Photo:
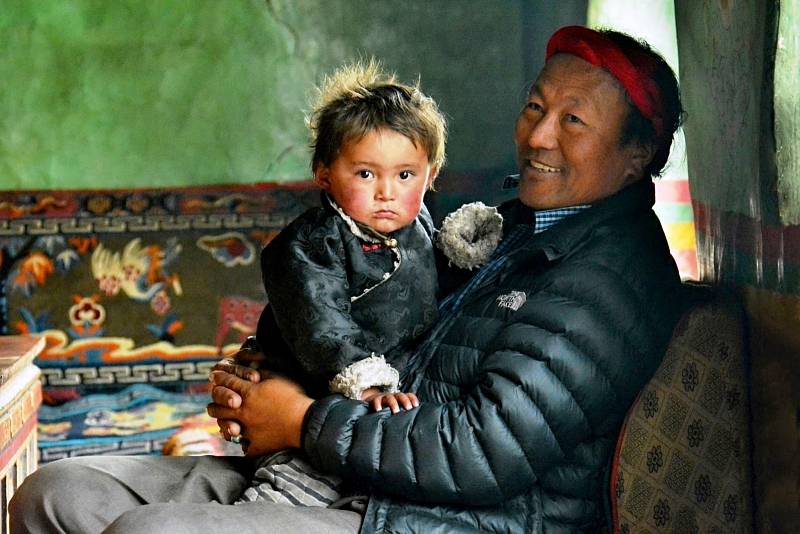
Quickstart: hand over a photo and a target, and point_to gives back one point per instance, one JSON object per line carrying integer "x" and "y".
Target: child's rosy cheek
{"x": 411, "y": 204}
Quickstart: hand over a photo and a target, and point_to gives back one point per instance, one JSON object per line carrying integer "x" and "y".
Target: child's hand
{"x": 377, "y": 400}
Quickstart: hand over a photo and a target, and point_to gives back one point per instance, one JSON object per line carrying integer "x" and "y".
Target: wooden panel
{"x": 17, "y": 461}
{"x": 20, "y": 398}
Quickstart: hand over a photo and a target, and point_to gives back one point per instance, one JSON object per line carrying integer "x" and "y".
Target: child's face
{"x": 379, "y": 180}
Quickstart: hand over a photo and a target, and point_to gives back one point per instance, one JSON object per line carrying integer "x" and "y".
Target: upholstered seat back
{"x": 683, "y": 460}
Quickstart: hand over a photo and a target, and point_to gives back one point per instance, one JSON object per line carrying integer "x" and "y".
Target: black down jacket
{"x": 520, "y": 409}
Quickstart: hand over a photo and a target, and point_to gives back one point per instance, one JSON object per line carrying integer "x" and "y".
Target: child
{"x": 352, "y": 284}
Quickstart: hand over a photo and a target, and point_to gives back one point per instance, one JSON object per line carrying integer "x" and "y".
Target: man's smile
{"x": 542, "y": 167}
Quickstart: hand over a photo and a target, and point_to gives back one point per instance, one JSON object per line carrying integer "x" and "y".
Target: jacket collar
{"x": 361, "y": 231}
{"x": 561, "y": 238}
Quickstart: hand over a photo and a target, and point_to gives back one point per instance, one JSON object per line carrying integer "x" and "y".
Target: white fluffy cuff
{"x": 364, "y": 374}
{"x": 470, "y": 234}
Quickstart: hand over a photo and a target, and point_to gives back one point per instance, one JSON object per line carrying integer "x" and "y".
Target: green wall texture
{"x": 132, "y": 93}
{"x": 787, "y": 111}
{"x": 146, "y": 93}
{"x": 721, "y": 72}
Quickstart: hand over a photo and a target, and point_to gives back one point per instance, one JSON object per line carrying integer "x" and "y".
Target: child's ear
{"x": 434, "y": 172}
{"x": 322, "y": 177}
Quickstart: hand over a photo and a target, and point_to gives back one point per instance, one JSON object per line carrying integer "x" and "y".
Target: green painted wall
{"x": 138, "y": 93}
{"x": 787, "y": 111}
{"x": 721, "y": 81}
{"x": 132, "y": 93}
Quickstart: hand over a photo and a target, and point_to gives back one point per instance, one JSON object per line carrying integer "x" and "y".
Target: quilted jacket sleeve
{"x": 304, "y": 275}
{"x": 561, "y": 374}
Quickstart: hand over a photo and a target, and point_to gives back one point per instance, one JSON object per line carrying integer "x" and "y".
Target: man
{"x": 524, "y": 382}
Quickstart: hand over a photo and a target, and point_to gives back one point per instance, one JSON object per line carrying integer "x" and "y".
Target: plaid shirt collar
{"x": 547, "y": 218}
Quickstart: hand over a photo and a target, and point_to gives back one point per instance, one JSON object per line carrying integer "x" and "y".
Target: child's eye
{"x": 365, "y": 174}
{"x": 405, "y": 175}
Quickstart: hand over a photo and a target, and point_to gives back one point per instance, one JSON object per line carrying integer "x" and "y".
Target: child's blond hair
{"x": 359, "y": 98}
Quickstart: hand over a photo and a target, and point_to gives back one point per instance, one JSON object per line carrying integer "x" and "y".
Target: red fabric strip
{"x": 633, "y": 69}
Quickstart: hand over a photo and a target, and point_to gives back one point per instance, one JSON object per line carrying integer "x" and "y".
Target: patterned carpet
{"x": 137, "y": 293}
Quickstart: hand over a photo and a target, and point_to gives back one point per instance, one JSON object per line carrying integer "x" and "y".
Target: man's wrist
{"x": 303, "y": 412}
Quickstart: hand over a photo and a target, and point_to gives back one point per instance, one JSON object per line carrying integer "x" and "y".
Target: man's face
{"x": 379, "y": 180}
{"x": 567, "y": 137}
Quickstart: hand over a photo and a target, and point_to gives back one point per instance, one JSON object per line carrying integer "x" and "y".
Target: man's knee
{"x": 40, "y": 495}
{"x": 150, "y": 518}
{"x": 71, "y": 495}
{"x": 191, "y": 518}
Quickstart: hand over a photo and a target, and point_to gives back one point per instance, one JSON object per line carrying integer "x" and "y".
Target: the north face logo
{"x": 513, "y": 300}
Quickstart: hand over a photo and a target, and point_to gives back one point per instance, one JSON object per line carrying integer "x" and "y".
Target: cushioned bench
{"x": 683, "y": 460}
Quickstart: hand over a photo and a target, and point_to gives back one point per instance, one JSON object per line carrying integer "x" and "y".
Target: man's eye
{"x": 405, "y": 175}
{"x": 572, "y": 118}
{"x": 365, "y": 174}
{"x": 534, "y": 106}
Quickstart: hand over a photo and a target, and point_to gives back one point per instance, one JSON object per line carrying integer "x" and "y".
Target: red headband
{"x": 631, "y": 67}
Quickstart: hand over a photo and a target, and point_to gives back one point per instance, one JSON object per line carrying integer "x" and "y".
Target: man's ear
{"x": 322, "y": 177}
{"x": 641, "y": 156}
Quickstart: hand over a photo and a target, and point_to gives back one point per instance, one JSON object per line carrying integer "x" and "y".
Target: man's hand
{"x": 250, "y": 354}
{"x": 243, "y": 364}
{"x": 378, "y": 399}
{"x": 232, "y": 366}
{"x": 267, "y": 414}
